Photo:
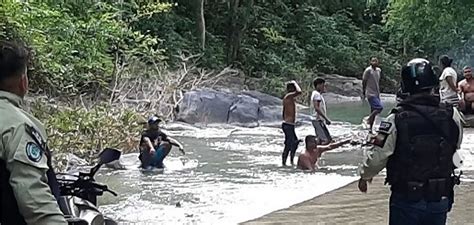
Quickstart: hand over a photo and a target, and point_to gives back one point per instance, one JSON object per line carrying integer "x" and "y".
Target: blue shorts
{"x": 375, "y": 103}
{"x": 158, "y": 157}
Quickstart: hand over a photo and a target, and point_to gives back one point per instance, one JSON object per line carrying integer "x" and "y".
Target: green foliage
{"x": 431, "y": 28}
{"x": 296, "y": 41}
{"x": 74, "y": 44}
{"x": 78, "y": 44}
{"x": 85, "y": 132}
{"x": 279, "y": 41}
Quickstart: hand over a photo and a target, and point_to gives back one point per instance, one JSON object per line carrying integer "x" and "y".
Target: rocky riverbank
{"x": 84, "y": 127}
{"x": 244, "y": 108}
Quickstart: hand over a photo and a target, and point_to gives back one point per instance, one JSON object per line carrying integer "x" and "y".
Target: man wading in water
{"x": 466, "y": 87}
{"x": 318, "y": 109}
{"x": 289, "y": 117}
{"x": 314, "y": 150}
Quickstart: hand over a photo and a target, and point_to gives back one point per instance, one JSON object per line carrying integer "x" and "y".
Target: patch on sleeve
{"x": 34, "y": 152}
{"x": 379, "y": 139}
{"x": 385, "y": 127}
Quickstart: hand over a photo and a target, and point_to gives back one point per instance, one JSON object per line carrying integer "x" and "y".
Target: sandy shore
{"x": 347, "y": 205}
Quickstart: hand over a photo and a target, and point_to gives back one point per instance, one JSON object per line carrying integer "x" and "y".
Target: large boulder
{"x": 247, "y": 108}
{"x": 244, "y": 111}
{"x": 346, "y": 86}
{"x": 205, "y": 106}
{"x": 263, "y": 99}
{"x": 271, "y": 113}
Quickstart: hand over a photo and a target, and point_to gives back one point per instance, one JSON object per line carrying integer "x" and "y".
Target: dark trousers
{"x": 406, "y": 212}
{"x": 468, "y": 107}
{"x": 291, "y": 142}
{"x": 321, "y": 131}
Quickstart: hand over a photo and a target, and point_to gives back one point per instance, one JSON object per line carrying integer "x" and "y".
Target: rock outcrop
{"x": 345, "y": 86}
{"x": 246, "y": 108}
{"x": 253, "y": 108}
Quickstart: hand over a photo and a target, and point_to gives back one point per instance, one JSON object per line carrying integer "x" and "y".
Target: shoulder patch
{"x": 34, "y": 152}
{"x": 385, "y": 126}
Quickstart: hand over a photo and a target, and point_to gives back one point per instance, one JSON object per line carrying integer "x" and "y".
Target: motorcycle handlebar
{"x": 69, "y": 186}
{"x": 104, "y": 188}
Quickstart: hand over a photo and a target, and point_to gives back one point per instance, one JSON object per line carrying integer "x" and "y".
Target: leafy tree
{"x": 74, "y": 44}
{"x": 431, "y": 28}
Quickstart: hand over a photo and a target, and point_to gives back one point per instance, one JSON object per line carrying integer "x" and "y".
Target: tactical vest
{"x": 426, "y": 141}
{"x": 9, "y": 212}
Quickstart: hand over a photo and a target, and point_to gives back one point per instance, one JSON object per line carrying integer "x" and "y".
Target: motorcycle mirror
{"x": 108, "y": 155}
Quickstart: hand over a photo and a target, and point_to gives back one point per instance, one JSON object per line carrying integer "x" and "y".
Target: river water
{"x": 230, "y": 174}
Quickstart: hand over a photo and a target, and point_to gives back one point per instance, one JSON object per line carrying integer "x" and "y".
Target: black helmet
{"x": 418, "y": 76}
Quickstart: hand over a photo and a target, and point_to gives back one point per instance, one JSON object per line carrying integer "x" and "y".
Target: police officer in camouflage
{"x": 27, "y": 182}
{"x": 416, "y": 143}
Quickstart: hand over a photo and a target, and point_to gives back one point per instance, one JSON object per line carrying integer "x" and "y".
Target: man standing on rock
{"x": 371, "y": 89}
{"x": 416, "y": 143}
{"x": 320, "y": 118}
{"x": 289, "y": 117}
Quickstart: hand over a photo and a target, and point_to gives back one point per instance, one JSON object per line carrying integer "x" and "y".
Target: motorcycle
{"x": 78, "y": 194}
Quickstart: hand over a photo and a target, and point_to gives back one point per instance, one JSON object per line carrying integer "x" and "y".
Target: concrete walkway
{"x": 348, "y": 206}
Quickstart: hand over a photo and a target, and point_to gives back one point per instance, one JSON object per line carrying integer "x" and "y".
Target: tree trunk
{"x": 231, "y": 33}
{"x": 201, "y": 23}
{"x": 405, "y": 47}
{"x": 237, "y": 27}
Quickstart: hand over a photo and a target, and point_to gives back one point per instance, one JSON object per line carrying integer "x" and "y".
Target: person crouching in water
{"x": 155, "y": 145}
{"x": 307, "y": 160}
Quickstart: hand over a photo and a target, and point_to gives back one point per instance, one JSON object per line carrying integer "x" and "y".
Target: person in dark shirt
{"x": 155, "y": 145}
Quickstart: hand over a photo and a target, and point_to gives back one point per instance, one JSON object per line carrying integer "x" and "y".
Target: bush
{"x": 84, "y": 132}
{"x": 76, "y": 47}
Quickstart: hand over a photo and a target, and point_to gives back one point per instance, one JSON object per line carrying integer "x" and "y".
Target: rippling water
{"x": 229, "y": 175}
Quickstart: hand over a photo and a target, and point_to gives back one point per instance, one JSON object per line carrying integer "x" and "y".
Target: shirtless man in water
{"x": 289, "y": 118}
{"x": 307, "y": 160}
{"x": 466, "y": 87}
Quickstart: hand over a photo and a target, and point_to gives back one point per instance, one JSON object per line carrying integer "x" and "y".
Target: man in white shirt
{"x": 318, "y": 111}
{"x": 448, "y": 92}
